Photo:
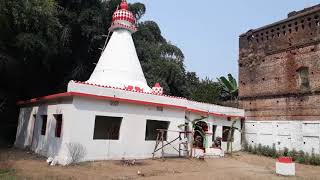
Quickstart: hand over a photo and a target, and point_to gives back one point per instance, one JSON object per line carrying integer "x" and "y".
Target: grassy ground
{"x": 18, "y": 164}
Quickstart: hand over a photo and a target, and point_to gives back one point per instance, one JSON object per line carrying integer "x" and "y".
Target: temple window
{"x": 58, "y": 118}
{"x": 214, "y": 128}
{"x": 107, "y": 127}
{"x": 151, "y": 129}
{"x": 44, "y": 124}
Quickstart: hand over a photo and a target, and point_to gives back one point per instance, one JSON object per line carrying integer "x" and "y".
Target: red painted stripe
{"x": 45, "y": 98}
{"x": 285, "y": 159}
{"x": 126, "y": 100}
{"x": 69, "y": 94}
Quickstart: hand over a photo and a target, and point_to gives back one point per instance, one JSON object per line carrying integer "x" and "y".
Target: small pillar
{"x": 285, "y": 166}
{"x": 157, "y": 89}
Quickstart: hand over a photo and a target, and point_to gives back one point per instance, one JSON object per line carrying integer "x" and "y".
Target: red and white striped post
{"x": 285, "y": 166}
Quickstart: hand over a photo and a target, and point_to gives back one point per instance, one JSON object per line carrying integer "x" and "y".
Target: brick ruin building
{"x": 279, "y": 82}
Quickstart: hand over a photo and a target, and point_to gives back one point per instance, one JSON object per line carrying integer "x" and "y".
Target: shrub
{"x": 245, "y": 146}
{"x": 314, "y": 159}
{"x": 274, "y": 152}
{"x": 294, "y": 154}
{"x": 299, "y": 157}
{"x": 255, "y": 149}
{"x": 76, "y": 152}
{"x": 259, "y": 149}
{"x": 250, "y": 148}
{"x": 285, "y": 152}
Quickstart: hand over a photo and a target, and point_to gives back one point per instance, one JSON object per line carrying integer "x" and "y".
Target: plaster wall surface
{"x": 30, "y": 123}
{"x": 297, "y": 134}
{"x": 152, "y": 98}
{"x": 78, "y": 128}
{"x": 119, "y": 65}
{"x": 131, "y": 143}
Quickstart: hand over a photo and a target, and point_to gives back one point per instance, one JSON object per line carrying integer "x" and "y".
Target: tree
{"x": 161, "y": 61}
{"x": 206, "y": 91}
{"x": 229, "y": 87}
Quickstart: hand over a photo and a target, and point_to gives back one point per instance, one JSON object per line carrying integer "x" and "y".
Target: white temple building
{"x": 115, "y": 114}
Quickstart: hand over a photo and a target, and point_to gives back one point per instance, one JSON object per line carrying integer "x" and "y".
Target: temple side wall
{"x": 78, "y": 127}
{"x": 131, "y": 143}
{"x": 29, "y": 128}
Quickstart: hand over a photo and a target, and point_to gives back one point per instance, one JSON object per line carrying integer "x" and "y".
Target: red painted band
{"x": 285, "y": 159}
{"x": 70, "y": 94}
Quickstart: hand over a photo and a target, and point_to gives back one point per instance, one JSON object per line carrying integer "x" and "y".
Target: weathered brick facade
{"x": 279, "y": 69}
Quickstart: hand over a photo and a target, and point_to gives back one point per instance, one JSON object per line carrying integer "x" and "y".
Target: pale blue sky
{"x": 207, "y": 31}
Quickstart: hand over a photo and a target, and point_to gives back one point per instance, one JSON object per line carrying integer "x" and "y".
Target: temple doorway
{"x": 199, "y": 137}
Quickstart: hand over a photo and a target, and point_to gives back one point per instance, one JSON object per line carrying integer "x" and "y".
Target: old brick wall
{"x": 270, "y": 62}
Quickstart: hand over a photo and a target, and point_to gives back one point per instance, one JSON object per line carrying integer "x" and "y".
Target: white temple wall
{"x": 131, "y": 143}
{"x": 29, "y": 128}
{"x": 183, "y": 103}
{"x": 298, "y": 135}
{"x": 78, "y": 127}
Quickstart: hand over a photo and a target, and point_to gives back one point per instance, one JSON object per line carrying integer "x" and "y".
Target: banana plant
{"x": 229, "y": 86}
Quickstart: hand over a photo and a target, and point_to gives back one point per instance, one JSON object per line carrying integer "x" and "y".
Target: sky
{"x": 207, "y": 31}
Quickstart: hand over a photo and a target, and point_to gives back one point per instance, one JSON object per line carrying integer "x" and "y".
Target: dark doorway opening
{"x": 199, "y": 133}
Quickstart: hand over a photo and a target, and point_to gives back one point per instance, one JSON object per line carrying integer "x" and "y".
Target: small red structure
{"x": 285, "y": 166}
{"x": 157, "y": 89}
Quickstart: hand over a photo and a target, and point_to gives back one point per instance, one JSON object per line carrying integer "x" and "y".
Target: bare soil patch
{"x": 23, "y": 165}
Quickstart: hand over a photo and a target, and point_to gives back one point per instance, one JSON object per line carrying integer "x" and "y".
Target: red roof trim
{"x": 45, "y": 98}
{"x": 70, "y": 94}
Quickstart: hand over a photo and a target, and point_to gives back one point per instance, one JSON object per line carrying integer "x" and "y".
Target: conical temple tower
{"x": 119, "y": 65}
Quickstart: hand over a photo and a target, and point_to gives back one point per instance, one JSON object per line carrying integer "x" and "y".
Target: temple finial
{"x": 124, "y": 5}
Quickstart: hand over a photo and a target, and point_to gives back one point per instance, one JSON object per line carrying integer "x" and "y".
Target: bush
{"x": 314, "y": 159}
{"x": 250, "y": 148}
{"x": 285, "y": 152}
{"x": 299, "y": 157}
{"x": 245, "y": 146}
{"x": 294, "y": 154}
{"x": 76, "y": 152}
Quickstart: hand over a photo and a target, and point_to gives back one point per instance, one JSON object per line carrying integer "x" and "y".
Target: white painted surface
{"x": 119, "y": 65}
{"x": 174, "y": 101}
{"x": 78, "y": 127}
{"x": 197, "y": 153}
{"x": 286, "y": 169}
{"x": 29, "y": 129}
{"x": 298, "y": 135}
{"x": 214, "y": 152}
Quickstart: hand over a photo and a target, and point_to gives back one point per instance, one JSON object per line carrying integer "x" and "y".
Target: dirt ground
{"x": 18, "y": 164}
